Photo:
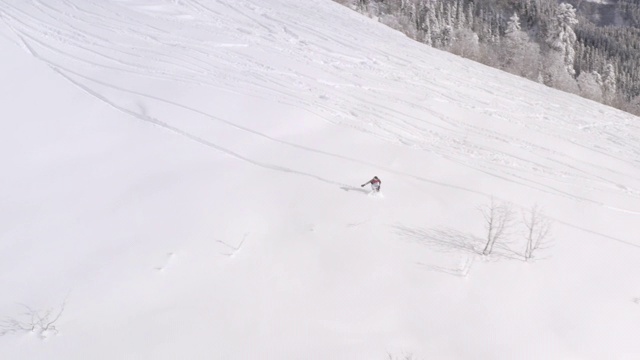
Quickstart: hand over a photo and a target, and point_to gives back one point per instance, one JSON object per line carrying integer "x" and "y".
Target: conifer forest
{"x": 589, "y": 48}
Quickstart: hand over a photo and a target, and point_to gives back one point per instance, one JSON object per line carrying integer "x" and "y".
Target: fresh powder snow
{"x": 181, "y": 180}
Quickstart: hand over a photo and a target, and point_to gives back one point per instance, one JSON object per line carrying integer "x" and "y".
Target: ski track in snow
{"x": 107, "y": 36}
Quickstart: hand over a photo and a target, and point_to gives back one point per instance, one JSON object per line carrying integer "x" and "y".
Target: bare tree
{"x": 498, "y": 218}
{"x": 538, "y": 229}
{"x": 31, "y": 320}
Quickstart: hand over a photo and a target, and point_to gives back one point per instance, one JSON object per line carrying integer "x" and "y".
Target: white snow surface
{"x": 184, "y": 176}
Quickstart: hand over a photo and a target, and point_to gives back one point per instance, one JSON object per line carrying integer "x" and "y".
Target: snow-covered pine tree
{"x": 461, "y": 20}
{"x": 609, "y": 84}
{"x": 518, "y": 52}
{"x": 512, "y": 44}
{"x": 470, "y": 16}
{"x": 561, "y": 36}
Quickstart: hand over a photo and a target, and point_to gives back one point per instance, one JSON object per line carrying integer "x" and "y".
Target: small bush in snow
{"x": 498, "y": 219}
{"x": 41, "y": 322}
{"x": 404, "y": 356}
{"x": 538, "y": 228}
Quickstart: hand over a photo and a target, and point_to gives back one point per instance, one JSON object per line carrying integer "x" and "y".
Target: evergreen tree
{"x": 609, "y": 84}
{"x": 562, "y": 37}
{"x": 513, "y": 25}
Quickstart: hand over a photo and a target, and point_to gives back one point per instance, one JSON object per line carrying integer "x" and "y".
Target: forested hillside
{"x": 588, "y": 48}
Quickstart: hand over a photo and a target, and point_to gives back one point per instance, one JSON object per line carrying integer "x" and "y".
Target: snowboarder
{"x": 375, "y": 184}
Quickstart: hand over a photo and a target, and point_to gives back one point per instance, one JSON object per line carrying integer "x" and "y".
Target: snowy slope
{"x": 184, "y": 177}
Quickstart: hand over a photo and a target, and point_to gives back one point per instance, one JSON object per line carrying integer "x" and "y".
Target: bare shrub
{"x": 41, "y": 322}
{"x": 538, "y": 229}
{"x": 404, "y": 356}
{"x": 498, "y": 219}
